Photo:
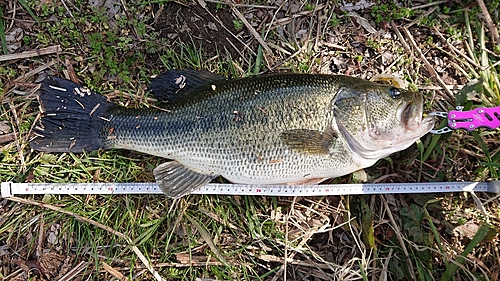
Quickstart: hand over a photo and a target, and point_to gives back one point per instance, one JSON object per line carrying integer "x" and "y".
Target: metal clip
{"x": 469, "y": 120}
{"x": 443, "y": 130}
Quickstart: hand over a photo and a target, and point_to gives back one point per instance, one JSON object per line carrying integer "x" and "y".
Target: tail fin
{"x": 72, "y": 117}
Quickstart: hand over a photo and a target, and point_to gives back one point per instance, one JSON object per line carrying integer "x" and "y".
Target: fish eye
{"x": 394, "y": 93}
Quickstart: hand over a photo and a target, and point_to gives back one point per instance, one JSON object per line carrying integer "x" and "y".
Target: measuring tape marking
{"x": 9, "y": 189}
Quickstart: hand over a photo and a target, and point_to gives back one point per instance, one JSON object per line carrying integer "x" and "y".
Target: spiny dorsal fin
{"x": 175, "y": 84}
{"x": 309, "y": 141}
{"x": 177, "y": 180}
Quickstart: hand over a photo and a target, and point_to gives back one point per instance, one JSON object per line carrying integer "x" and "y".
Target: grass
{"x": 391, "y": 237}
{"x": 3, "y": 40}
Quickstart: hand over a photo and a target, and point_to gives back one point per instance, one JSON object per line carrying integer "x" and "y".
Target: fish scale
{"x": 254, "y": 142}
{"x": 271, "y": 129}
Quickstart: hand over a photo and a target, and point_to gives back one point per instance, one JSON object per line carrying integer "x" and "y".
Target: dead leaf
{"x": 13, "y": 39}
{"x": 50, "y": 263}
{"x": 4, "y": 250}
{"x": 469, "y": 229}
{"x": 15, "y": 35}
{"x": 4, "y": 127}
{"x": 360, "y": 5}
{"x": 363, "y": 22}
{"x": 212, "y": 26}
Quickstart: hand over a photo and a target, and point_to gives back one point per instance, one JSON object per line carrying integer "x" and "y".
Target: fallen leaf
{"x": 363, "y": 22}
{"x": 4, "y": 127}
{"x": 360, "y": 5}
{"x": 469, "y": 229}
{"x": 212, "y": 26}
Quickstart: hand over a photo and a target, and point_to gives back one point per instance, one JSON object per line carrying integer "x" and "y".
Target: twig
{"x": 21, "y": 79}
{"x": 96, "y": 224}
{"x": 288, "y": 58}
{"x": 380, "y": 179}
{"x": 400, "y": 36}
{"x": 400, "y": 238}
{"x": 289, "y": 258}
{"x": 453, "y": 48}
{"x": 333, "y": 46}
{"x": 73, "y": 272}
{"x": 68, "y": 10}
{"x": 385, "y": 266}
{"x": 7, "y": 137}
{"x": 17, "y": 136}
{"x": 34, "y": 71}
{"x": 252, "y": 30}
{"x": 286, "y": 20}
{"x": 491, "y": 200}
{"x": 318, "y": 29}
{"x": 278, "y": 48}
{"x": 129, "y": 16}
{"x": 480, "y": 206}
{"x": 204, "y": 6}
{"x": 238, "y": 51}
{"x": 492, "y": 65}
{"x": 245, "y": 5}
{"x": 489, "y": 22}
{"x": 272, "y": 258}
{"x": 427, "y": 5}
{"x": 272, "y": 19}
{"x": 32, "y": 53}
{"x": 419, "y": 18}
{"x": 285, "y": 258}
{"x": 70, "y": 71}
{"x": 113, "y": 271}
{"x": 41, "y": 230}
{"x": 429, "y": 67}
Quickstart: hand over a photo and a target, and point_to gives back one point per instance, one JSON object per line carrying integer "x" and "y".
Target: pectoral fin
{"x": 176, "y": 180}
{"x": 309, "y": 141}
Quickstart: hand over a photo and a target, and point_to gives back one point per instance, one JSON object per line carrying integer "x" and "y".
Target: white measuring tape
{"x": 10, "y": 189}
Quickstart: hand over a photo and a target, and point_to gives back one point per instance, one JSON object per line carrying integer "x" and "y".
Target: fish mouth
{"x": 376, "y": 143}
{"x": 410, "y": 114}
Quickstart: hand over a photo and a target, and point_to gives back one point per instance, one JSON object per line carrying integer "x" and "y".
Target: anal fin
{"x": 176, "y": 180}
{"x": 312, "y": 181}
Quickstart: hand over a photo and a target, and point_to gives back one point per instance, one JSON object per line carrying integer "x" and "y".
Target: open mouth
{"x": 411, "y": 113}
{"x": 374, "y": 142}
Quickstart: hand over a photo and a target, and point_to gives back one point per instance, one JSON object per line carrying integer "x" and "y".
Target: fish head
{"x": 377, "y": 120}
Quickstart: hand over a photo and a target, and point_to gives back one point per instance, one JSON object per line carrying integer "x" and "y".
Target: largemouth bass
{"x": 270, "y": 129}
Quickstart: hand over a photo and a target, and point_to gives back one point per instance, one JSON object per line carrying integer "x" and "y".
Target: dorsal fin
{"x": 175, "y": 84}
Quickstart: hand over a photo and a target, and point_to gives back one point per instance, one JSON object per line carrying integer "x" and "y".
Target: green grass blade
{"x": 2, "y": 34}
{"x": 470, "y": 39}
{"x": 260, "y": 56}
{"x": 258, "y": 60}
{"x": 452, "y": 268}
{"x": 27, "y": 8}
{"x": 367, "y": 224}
{"x": 484, "y": 148}
{"x": 430, "y": 147}
{"x": 495, "y": 84}
{"x": 490, "y": 164}
{"x": 431, "y": 224}
{"x": 207, "y": 237}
